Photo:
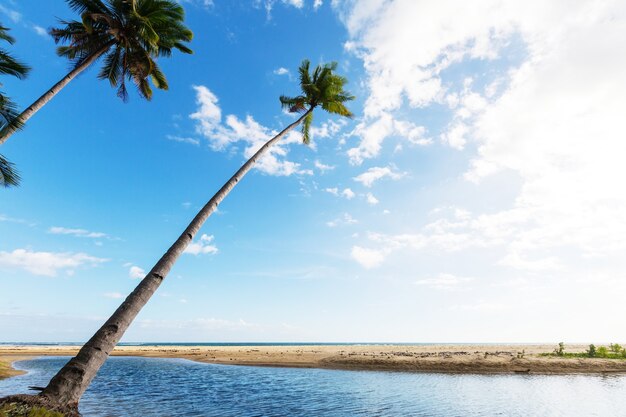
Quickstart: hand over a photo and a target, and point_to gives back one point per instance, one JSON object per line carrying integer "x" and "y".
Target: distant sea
{"x": 149, "y": 387}
{"x": 250, "y": 344}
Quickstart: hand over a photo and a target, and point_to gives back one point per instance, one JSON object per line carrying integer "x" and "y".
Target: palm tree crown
{"x": 133, "y": 33}
{"x": 322, "y": 88}
{"x": 8, "y": 110}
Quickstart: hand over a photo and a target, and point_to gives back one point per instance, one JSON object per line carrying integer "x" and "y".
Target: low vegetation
{"x": 613, "y": 351}
{"x": 23, "y": 410}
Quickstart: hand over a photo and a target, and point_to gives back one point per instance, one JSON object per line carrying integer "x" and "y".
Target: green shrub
{"x": 615, "y": 348}
{"x": 602, "y": 352}
{"x": 591, "y": 352}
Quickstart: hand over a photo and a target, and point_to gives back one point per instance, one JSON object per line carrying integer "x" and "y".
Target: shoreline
{"x": 448, "y": 358}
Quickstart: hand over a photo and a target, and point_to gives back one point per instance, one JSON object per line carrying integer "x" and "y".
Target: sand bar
{"x": 480, "y": 359}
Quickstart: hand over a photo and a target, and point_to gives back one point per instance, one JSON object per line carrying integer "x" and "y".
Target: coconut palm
{"x": 323, "y": 88}
{"x": 8, "y": 111}
{"x": 129, "y": 34}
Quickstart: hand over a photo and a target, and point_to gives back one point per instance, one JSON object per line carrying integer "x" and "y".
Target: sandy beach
{"x": 482, "y": 359}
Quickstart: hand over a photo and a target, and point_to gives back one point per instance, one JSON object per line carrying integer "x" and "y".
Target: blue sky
{"x": 474, "y": 197}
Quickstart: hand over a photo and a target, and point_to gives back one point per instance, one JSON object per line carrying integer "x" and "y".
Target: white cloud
{"x": 222, "y": 135}
{"x": 5, "y": 218}
{"x": 374, "y": 133}
{"x": 550, "y": 117}
{"x": 371, "y": 199}
{"x": 346, "y": 219}
{"x": 47, "y": 263}
{"x": 76, "y": 232}
{"x": 348, "y": 193}
{"x": 136, "y": 272}
{"x": 374, "y": 174}
{"x": 323, "y": 167}
{"x": 295, "y": 3}
{"x": 40, "y": 31}
{"x": 181, "y": 139}
{"x": 268, "y": 5}
{"x": 368, "y": 258}
{"x": 443, "y": 281}
{"x": 281, "y": 71}
{"x": 455, "y": 136}
{"x": 328, "y": 129}
{"x": 317, "y": 4}
{"x": 14, "y": 15}
{"x": 203, "y": 246}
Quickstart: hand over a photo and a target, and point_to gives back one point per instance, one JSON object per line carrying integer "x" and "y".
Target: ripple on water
{"x": 150, "y": 387}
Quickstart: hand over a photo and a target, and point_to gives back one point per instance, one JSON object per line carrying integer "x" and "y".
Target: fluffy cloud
{"x": 40, "y": 31}
{"x": 223, "y": 134}
{"x": 203, "y": 246}
{"x": 368, "y": 258}
{"x": 346, "y": 219}
{"x": 371, "y": 199}
{"x": 374, "y": 174}
{"x": 549, "y": 115}
{"x": 281, "y": 71}
{"x": 76, "y": 232}
{"x": 373, "y": 133}
{"x": 323, "y": 167}
{"x": 47, "y": 263}
{"x": 136, "y": 272}
{"x": 346, "y": 193}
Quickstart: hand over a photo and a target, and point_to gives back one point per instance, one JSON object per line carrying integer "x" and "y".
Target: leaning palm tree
{"x": 8, "y": 111}
{"x": 129, "y": 34}
{"x": 323, "y": 88}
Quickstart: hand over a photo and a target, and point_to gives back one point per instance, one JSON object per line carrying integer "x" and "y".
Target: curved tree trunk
{"x": 69, "y": 384}
{"x": 48, "y": 95}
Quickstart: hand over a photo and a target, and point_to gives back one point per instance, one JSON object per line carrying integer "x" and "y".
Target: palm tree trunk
{"x": 69, "y": 384}
{"x": 48, "y": 95}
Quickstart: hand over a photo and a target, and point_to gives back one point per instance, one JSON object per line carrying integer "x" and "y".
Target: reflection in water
{"x": 148, "y": 387}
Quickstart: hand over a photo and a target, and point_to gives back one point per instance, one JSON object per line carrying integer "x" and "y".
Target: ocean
{"x": 150, "y": 387}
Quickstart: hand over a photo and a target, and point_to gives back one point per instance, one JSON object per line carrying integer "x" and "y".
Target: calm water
{"x": 146, "y": 387}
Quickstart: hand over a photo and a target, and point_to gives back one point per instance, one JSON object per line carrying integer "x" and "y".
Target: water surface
{"x": 148, "y": 387}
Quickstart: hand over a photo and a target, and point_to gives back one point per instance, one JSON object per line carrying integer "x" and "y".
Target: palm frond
{"x": 11, "y": 66}
{"x": 112, "y": 69}
{"x": 322, "y": 88}
{"x": 158, "y": 78}
{"x": 138, "y": 32}
{"x": 4, "y": 35}
{"x": 9, "y": 177}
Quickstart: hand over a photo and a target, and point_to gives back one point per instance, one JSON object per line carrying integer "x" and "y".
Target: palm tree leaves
{"x": 9, "y": 177}
{"x": 133, "y": 33}
{"x": 321, "y": 88}
{"x": 8, "y": 64}
{"x": 8, "y": 110}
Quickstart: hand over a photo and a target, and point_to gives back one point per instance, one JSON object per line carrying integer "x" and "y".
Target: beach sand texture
{"x": 482, "y": 359}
